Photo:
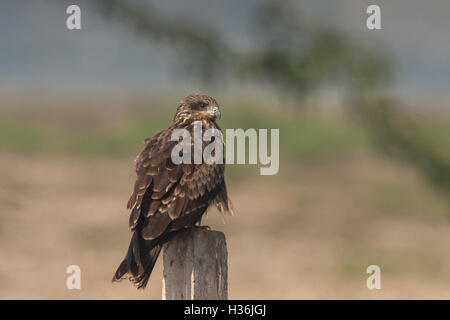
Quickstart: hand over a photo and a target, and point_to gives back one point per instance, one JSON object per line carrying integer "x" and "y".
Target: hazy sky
{"x": 38, "y": 51}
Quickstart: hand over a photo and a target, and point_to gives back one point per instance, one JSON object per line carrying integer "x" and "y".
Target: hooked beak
{"x": 214, "y": 111}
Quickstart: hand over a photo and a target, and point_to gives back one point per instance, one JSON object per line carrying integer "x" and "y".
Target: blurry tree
{"x": 299, "y": 59}
{"x": 296, "y": 60}
{"x": 398, "y": 136}
{"x": 200, "y": 49}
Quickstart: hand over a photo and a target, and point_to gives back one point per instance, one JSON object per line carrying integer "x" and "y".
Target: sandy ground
{"x": 310, "y": 233}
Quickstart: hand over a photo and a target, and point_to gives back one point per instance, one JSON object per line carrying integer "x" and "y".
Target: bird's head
{"x": 197, "y": 107}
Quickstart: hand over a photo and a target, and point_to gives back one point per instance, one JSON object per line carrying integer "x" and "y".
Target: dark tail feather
{"x": 139, "y": 261}
{"x": 148, "y": 264}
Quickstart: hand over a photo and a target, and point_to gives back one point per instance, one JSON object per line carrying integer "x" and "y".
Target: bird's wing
{"x": 164, "y": 192}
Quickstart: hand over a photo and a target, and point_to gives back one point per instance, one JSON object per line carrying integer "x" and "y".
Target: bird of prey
{"x": 169, "y": 197}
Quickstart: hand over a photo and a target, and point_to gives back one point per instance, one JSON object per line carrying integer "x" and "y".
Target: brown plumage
{"x": 169, "y": 197}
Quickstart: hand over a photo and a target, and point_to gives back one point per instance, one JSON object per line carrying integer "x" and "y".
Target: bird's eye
{"x": 201, "y": 105}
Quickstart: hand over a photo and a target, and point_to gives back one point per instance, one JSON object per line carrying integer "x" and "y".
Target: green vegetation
{"x": 302, "y": 137}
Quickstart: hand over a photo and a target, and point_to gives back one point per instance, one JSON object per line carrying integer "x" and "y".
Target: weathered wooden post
{"x": 195, "y": 266}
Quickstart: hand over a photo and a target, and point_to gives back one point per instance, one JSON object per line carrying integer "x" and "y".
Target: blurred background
{"x": 364, "y": 123}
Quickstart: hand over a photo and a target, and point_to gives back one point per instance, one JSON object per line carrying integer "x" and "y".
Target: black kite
{"x": 168, "y": 197}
